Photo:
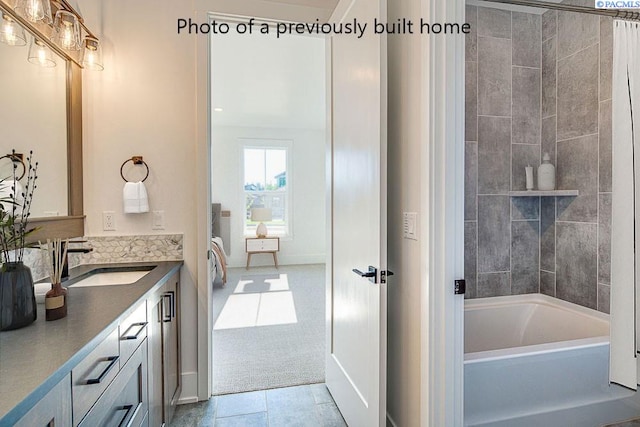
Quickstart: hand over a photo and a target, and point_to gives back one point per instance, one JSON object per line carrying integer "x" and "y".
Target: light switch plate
{"x": 410, "y": 225}
{"x": 158, "y": 220}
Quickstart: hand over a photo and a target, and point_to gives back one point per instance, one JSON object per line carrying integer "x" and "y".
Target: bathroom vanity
{"x": 114, "y": 360}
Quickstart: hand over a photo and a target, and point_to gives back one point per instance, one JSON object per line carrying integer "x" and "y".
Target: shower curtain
{"x": 625, "y": 224}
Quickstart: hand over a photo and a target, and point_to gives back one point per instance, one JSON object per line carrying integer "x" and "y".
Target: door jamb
{"x": 204, "y": 168}
{"x": 442, "y": 225}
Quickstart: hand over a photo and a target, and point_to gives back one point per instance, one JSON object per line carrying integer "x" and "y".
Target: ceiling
{"x": 318, "y": 4}
{"x": 262, "y": 82}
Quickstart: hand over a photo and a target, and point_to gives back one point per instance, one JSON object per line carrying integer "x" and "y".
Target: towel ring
{"x": 137, "y": 160}
{"x": 14, "y": 157}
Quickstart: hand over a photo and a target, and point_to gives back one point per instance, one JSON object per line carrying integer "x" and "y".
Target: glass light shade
{"x": 35, "y": 10}
{"x": 67, "y": 31}
{"x": 11, "y": 32}
{"x": 40, "y": 54}
{"x": 92, "y": 54}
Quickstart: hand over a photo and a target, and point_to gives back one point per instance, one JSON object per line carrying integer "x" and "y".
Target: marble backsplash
{"x": 113, "y": 249}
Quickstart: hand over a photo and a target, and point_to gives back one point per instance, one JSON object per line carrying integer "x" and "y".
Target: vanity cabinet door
{"x": 164, "y": 352}
{"x": 53, "y": 410}
{"x": 124, "y": 402}
{"x": 154, "y": 339}
{"x": 171, "y": 346}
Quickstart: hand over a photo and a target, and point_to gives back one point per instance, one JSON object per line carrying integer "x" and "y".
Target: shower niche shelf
{"x": 544, "y": 193}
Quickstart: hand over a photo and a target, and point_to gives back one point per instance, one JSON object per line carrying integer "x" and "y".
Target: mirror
{"x": 33, "y": 116}
{"x": 41, "y": 110}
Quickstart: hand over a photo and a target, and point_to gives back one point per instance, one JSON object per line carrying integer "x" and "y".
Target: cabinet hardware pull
{"x": 135, "y": 336}
{"x": 127, "y": 408}
{"x": 112, "y": 362}
{"x": 172, "y": 295}
{"x": 166, "y": 317}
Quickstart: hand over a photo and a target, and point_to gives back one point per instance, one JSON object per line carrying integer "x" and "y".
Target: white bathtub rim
{"x": 488, "y": 302}
{"x": 531, "y": 350}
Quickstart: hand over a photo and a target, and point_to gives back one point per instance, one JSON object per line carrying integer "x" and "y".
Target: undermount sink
{"x": 105, "y": 277}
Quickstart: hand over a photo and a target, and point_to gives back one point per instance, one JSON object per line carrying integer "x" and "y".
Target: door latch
{"x": 372, "y": 274}
{"x": 384, "y": 274}
{"x": 460, "y": 287}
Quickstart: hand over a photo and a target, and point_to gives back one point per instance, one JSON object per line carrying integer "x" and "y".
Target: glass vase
{"x": 17, "y": 298}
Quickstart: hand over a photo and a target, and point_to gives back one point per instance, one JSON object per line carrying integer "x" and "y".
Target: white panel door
{"x": 356, "y": 327}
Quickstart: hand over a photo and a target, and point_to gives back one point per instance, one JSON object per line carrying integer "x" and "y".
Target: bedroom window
{"x": 266, "y": 184}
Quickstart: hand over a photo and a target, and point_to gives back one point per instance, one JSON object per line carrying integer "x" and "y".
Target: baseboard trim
{"x": 189, "y": 388}
{"x": 390, "y": 422}
{"x": 266, "y": 260}
{"x": 187, "y": 400}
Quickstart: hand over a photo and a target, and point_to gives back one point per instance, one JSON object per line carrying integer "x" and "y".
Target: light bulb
{"x": 67, "y": 37}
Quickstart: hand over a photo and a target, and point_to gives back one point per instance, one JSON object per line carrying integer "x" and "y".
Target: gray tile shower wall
{"x": 503, "y": 134}
{"x": 575, "y": 246}
{"x": 535, "y": 84}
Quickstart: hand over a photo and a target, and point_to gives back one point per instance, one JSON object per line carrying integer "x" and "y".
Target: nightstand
{"x": 262, "y": 245}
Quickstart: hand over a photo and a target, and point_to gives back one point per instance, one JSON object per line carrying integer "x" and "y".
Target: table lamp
{"x": 262, "y": 215}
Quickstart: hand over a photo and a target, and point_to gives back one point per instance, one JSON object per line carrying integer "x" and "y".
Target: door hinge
{"x": 460, "y": 287}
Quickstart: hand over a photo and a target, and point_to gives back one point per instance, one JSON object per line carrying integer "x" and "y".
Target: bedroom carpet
{"x": 269, "y": 328}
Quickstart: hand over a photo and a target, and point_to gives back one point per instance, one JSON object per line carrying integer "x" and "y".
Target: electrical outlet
{"x": 158, "y": 220}
{"x": 109, "y": 221}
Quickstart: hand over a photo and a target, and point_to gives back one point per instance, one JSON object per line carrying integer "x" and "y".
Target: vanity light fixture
{"x": 92, "y": 54}
{"x": 35, "y": 10}
{"x": 11, "y": 32}
{"x": 67, "y": 30}
{"x": 40, "y": 54}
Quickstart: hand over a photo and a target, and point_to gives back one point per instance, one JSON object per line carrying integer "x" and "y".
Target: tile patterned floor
{"x": 309, "y": 405}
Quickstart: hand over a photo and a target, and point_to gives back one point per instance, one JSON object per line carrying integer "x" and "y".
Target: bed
{"x": 219, "y": 256}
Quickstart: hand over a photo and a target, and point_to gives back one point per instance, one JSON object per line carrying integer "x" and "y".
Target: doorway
{"x": 268, "y": 144}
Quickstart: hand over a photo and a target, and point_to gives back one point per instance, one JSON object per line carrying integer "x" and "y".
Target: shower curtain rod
{"x": 614, "y": 13}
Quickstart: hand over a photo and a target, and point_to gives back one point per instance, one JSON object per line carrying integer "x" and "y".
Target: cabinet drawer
{"x": 133, "y": 330}
{"x": 92, "y": 376}
{"x": 260, "y": 245}
{"x": 124, "y": 402}
{"x": 270, "y": 244}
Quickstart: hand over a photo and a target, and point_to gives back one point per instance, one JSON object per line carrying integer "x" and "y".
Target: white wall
{"x": 143, "y": 103}
{"x": 307, "y": 242}
{"x": 405, "y": 257}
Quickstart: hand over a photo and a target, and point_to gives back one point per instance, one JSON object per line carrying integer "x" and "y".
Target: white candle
{"x": 529, "y": 172}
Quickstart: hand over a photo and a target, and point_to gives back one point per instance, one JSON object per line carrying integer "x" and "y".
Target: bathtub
{"x": 528, "y": 356}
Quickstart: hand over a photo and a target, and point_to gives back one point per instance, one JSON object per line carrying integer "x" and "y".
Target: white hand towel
{"x": 130, "y": 198}
{"x": 143, "y": 198}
